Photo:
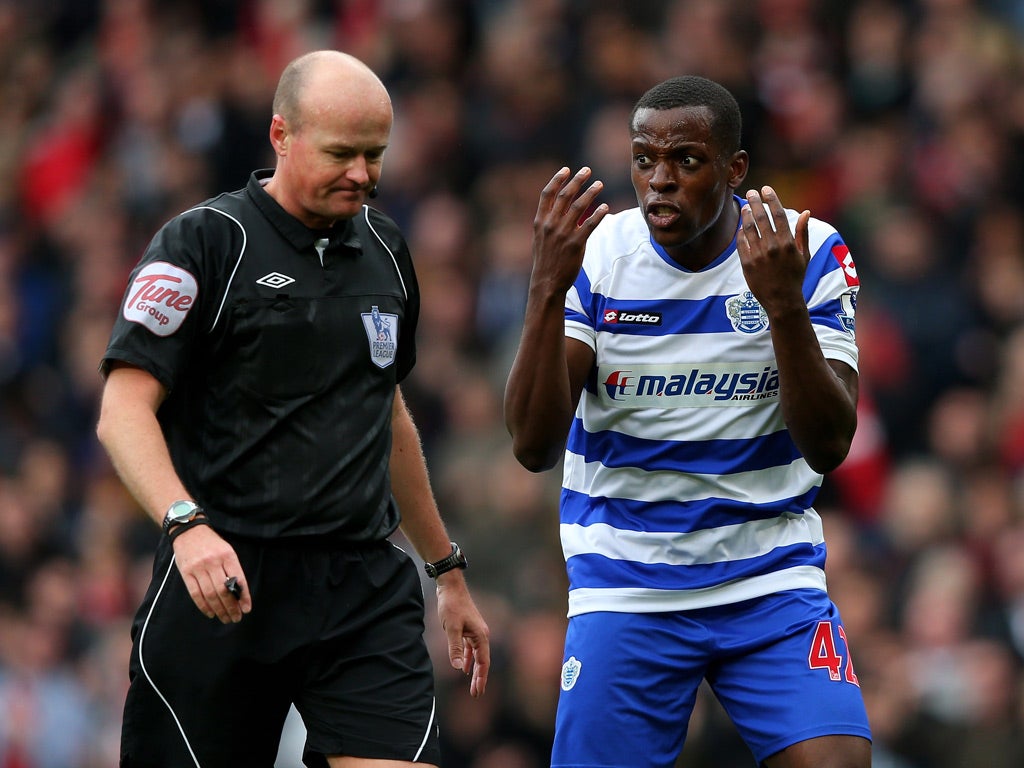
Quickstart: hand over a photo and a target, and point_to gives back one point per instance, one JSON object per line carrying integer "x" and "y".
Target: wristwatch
{"x": 182, "y": 511}
{"x": 455, "y": 560}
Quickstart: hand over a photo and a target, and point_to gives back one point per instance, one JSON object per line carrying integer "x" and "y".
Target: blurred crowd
{"x": 899, "y": 121}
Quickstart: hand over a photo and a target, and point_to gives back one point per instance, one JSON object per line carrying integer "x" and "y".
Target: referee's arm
{"x": 129, "y": 431}
{"x": 468, "y": 635}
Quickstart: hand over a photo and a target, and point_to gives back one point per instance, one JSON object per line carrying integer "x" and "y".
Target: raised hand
{"x": 562, "y": 226}
{"x": 774, "y": 258}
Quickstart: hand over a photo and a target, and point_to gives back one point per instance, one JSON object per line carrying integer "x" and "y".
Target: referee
{"x": 252, "y": 406}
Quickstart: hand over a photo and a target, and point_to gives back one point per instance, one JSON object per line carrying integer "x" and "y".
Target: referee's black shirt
{"x": 280, "y": 361}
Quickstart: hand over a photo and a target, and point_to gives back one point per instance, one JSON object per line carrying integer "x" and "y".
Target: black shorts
{"x": 338, "y": 631}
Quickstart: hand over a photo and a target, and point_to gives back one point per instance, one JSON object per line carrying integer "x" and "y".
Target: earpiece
{"x": 372, "y": 193}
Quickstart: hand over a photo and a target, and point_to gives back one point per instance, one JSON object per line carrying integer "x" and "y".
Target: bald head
{"x": 324, "y": 80}
{"x": 331, "y": 126}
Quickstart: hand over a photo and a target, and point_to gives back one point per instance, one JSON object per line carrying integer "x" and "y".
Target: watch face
{"x": 182, "y": 510}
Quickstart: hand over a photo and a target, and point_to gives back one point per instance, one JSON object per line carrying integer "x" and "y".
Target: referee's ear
{"x": 279, "y": 135}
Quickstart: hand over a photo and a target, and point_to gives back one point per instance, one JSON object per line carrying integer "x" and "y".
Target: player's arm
{"x": 548, "y": 372}
{"x": 129, "y": 431}
{"x": 819, "y": 396}
{"x": 543, "y": 388}
{"x": 468, "y": 634}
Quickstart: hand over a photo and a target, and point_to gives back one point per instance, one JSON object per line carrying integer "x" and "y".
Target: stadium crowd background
{"x": 900, "y": 122}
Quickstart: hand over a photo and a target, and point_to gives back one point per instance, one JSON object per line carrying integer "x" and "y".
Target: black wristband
{"x": 179, "y": 528}
{"x": 455, "y": 560}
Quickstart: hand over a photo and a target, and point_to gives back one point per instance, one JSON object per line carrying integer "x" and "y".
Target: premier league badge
{"x": 382, "y": 333}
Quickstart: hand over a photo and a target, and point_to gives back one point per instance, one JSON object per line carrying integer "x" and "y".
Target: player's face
{"x": 683, "y": 182}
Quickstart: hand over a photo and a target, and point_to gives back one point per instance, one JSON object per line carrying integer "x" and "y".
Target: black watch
{"x": 183, "y": 511}
{"x": 455, "y": 560}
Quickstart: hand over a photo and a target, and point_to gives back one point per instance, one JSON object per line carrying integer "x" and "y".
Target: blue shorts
{"x": 778, "y": 664}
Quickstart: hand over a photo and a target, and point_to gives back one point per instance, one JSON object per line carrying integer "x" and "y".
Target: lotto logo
{"x": 620, "y": 317}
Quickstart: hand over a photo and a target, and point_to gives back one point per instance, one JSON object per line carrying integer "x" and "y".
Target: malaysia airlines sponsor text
{"x": 688, "y": 384}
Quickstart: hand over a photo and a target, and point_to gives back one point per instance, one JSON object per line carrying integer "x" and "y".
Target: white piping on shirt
{"x": 241, "y": 253}
{"x": 366, "y": 215}
{"x": 245, "y": 239}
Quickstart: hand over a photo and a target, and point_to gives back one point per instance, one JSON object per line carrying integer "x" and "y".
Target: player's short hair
{"x": 696, "y": 91}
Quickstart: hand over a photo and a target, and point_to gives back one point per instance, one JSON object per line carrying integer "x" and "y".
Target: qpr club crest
{"x": 382, "y": 333}
{"x": 745, "y": 314}
{"x": 571, "y": 672}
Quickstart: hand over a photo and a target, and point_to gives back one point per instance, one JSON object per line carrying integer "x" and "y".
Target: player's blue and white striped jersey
{"x": 682, "y": 487}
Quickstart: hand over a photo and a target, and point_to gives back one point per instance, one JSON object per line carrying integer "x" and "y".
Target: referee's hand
{"x": 469, "y": 644}
{"x": 206, "y": 562}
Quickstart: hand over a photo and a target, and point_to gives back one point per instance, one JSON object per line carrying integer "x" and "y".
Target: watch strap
{"x": 179, "y": 528}
{"x": 454, "y": 560}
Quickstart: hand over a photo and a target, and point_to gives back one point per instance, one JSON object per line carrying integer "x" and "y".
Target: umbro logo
{"x": 276, "y": 280}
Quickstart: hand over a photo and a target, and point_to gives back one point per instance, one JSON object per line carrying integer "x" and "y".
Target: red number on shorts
{"x": 823, "y": 653}
{"x": 851, "y": 676}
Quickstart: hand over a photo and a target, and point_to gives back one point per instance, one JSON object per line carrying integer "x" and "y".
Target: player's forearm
{"x": 538, "y": 399}
{"x": 819, "y": 406}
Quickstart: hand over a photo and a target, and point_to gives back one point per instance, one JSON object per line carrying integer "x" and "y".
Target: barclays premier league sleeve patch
{"x": 160, "y": 297}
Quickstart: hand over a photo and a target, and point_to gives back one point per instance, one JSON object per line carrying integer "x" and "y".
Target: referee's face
{"x": 331, "y": 160}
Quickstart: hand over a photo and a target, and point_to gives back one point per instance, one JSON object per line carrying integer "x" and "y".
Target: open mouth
{"x": 662, "y": 215}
